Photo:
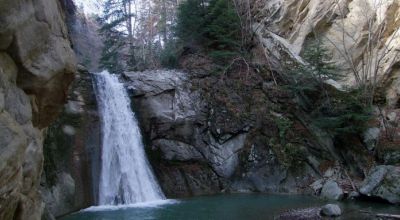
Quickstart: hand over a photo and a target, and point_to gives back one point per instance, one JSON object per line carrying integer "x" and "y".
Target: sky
{"x": 90, "y": 6}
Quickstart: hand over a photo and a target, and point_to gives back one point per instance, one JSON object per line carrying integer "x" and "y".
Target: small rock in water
{"x": 331, "y": 210}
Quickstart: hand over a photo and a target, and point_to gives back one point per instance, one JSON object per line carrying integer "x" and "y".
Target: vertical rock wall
{"x": 36, "y": 66}
{"x": 71, "y": 151}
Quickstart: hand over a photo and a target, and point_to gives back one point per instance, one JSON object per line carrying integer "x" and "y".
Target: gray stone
{"x": 329, "y": 172}
{"x": 390, "y": 156}
{"x": 151, "y": 83}
{"x": 60, "y": 198}
{"x": 373, "y": 180}
{"x": 17, "y": 103}
{"x": 38, "y": 52}
{"x": 383, "y": 182}
{"x": 8, "y": 68}
{"x": 68, "y": 130}
{"x": 331, "y": 190}
{"x": 176, "y": 150}
{"x": 317, "y": 185}
{"x": 223, "y": 157}
{"x": 331, "y": 210}
{"x": 371, "y": 136}
{"x": 354, "y": 194}
{"x": 74, "y": 140}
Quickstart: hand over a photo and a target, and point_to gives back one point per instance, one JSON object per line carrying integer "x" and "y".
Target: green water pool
{"x": 225, "y": 207}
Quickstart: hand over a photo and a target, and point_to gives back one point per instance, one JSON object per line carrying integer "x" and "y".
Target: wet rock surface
{"x": 72, "y": 151}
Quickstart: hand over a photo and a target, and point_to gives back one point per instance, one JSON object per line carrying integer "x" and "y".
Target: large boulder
{"x": 383, "y": 182}
{"x": 331, "y": 190}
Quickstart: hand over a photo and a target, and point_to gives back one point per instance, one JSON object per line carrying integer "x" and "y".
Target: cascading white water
{"x": 126, "y": 176}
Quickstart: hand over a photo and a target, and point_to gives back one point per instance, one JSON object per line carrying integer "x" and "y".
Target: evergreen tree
{"x": 223, "y": 30}
{"x": 339, "y": 112}
{"x": 117, "y": 31}
{"x": 113, "y": 42}
{"x": 190, "y": 27}
{"x": 214, "y": 25}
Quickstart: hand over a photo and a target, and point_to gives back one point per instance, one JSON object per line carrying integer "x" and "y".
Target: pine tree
{"x": 213, "y": 25}
{"x": 117, "y": 31}
{"x": 190, "y": 25}
{"x": 110, "y": 56}
{"x": 223, "y": 30}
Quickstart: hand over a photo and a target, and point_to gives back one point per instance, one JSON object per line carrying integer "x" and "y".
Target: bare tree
{"x": 366, "y": 66}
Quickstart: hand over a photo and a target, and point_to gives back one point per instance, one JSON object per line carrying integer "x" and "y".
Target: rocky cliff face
{"x": 208, "y": 135}
{"x": 36, "y": 66}
{"x": 71, "y": 151}
{"x": 361, "y": 35}
{"x": 86, "y": 40}
{"x": 241, "y": 134}
{"x": 72, "y": 142}
{"x": 363, "y": 41}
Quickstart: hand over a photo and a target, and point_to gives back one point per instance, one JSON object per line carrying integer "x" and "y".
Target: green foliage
{"x": 312, "y": 76}
{"x": 283, "y": 125}
{"x": 213, "y": 25}
{"x": 289, "y": 154}
{"x": 115, "y": 18}
{"x": 168, "y": 56}
{"x": 191, "y": 21}
{"x": 347, "y": 114}
{"x": 113, "y": 42}
{"x": 110, "y": 57}
{"x": 223, "y": 30}
{"x": 339, "y": 112}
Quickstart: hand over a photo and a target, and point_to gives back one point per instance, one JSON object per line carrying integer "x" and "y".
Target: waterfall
{"x": 126, "y": 176}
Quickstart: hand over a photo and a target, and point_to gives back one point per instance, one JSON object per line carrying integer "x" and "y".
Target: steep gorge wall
{"x": 72, "y": 143}
{"x": 72, "y": 151}
{"x": 359, "y": 34}
{"x": 37, "y": 64}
